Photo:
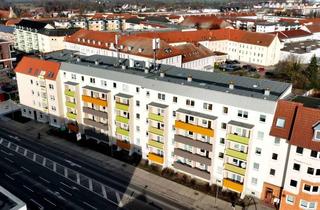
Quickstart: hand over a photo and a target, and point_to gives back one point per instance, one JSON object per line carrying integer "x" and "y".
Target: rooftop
{"x": 8, "y": 201}
{"x": 301, "y": 47}
{"x": 310, "y": 102}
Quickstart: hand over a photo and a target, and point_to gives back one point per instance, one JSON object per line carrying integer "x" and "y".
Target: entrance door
{"x": 268, "y": 196}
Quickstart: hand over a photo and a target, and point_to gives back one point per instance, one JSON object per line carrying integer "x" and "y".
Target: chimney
{"x": 189, "y": 79}
{"x": 231, "y": 85}
{"x": 267, "y": 92}
{"x": 161, "y": 74}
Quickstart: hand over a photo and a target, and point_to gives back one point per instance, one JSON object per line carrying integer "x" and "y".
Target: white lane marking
{"x": 40, "y": 206}
{"x": 25, "y": 169}
{"x": 27, "y": 188}
{"x": 11, "y": 161}
{"x": 70, "y": 187}
{"x": 44, "y": 179}
{"x": 49, "y": 201}
{"x": 89, "y": 205}
{"x": 7, "y": 153}
{"x": 72, "y": 163}
{"x": 9, "y": 176}
{"x": 65, "y": 191}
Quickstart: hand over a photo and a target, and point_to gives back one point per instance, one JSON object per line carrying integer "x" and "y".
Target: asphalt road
{"x": 48, "y": 178}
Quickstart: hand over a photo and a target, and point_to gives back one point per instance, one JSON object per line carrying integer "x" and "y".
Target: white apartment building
{"x": 211, "y": 126}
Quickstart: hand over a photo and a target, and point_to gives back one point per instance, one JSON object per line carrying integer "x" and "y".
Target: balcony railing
{"x": 194, "y": 171}
{"x": 70, "y": 93}
{"x": 238, "y": 139}
{"x": 236, "y": 154}
{"x": 155, "y": 158}
{"x": 70, "y": 104}
{"x": 123, "y": 144}
{"x": 156, "y": 144}
{"x": 122, "y": 131}
{"x": 233, "y": 185}
{"x": 155, "y": 117}
{"x": 123, "y": 107}
{"x": 235, "y": 169}
{"x": 194, "y": 128}
{"x": 97, "y": 101}
{"x": 193, "y": 142}
{"x": 122, "y": 119}
{"x": 156, "y": 131}
{"x": 71, "y": 116}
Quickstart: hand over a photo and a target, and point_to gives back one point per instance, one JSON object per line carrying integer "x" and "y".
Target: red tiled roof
{"x": 285, "y": 110}
{"x": 191, "y": 52}
{"x": 203, "y": 22}
{"x": 12, "y": 22}
{"x": 314, "y": 28}
{"x": 303, "y": 133}
{"x": 292, "y": 34}
{"x": 4, "y": 14}
{"x": 34, "y": 66}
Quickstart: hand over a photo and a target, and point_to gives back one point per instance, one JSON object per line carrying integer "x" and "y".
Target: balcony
{"x": 95, "y": 112}
{"x": 235, "y": 169}
{"x": 122, "y": 131}
{"x": 156, "y": 144}
{"x": 156, "y": 131}
{"x": 236, "y": 154}
{"x": 194, "y": 128}
{"x": 122, "y": 119}
{"x": 71, "y": 116}
{"x": 95, "y": 124}
{"x": 155, "y": 158}
{"x": 155, "y": 117}
{"x": 123, "y": 107}
{"x": 233, "y": 185}
{"x": 238, "y": 139}
{"x": 123, "y": 144}
{"x": 191, "y": 156}
{"x": 96, "y": 101}
{"x": 194, "y": 171}
{"x": 71, "y": 104}
{"x": 193, "y": 142}
{"x": 69, "y": 93}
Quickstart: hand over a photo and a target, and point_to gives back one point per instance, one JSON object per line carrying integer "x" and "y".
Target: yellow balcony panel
{"x": 235, "y": 169}
{"x": 155, "y": 117}
{"x": 122, "y": 119}
{"x": 123, "y": 107}
{"x": 238, "y": 139}
{"x": 155, "y": 158}
{"x": 156, "y": 131}
{"x": 123, "y": 144}
{"x": 96, "y": 101}
{"x": 236, "y": 154}
{"x": 70, "y": 104}
{"x": 122, "y": 131}
{"x": 232, "y": 185}
{"x": 71, "y": 116}
{"x": 156, "y": 144}
{"x": 70, "y": 93}
{"x": 194, "y": 128}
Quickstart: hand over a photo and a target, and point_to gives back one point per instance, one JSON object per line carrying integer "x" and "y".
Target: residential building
{"x": 267, "y": 27}
{"x": 208, "y": 125}
{"x": 297, "y": 121}
{"x": 6, "y": 49}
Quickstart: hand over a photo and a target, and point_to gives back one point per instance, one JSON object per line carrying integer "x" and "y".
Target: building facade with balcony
{"x": 210, "y": 126}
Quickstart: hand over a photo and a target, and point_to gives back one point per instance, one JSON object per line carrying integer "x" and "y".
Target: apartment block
{"x": 211, "y": 126}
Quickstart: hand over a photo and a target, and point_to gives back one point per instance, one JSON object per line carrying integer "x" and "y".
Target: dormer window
{"x": 280, "y": 123}
{"x": 316, "y": 130}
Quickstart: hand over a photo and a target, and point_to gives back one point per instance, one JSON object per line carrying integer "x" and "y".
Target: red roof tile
{"x": 4, "y": 14}
{"x": 191, "y": 52}
{"x": 202, "y": 21}
{"x": 314, "y": 28}
{"x": 292, "y": 34}
{"x": 34, "y": 66}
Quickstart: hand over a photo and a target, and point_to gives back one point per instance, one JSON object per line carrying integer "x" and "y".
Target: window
{"x": 258, "y": 151}
{"x": 137, "y": 103}
{"x": 103, "y": 83}
{"x": 307, "y": 187}
{"x": 92, "y": 80}
{"x": 317, "y": 135}
{"x": 31, "y": 81}
{"x": 262, "y": 118}
{"x": 137, "y": 89}
{"x": 189, "y": 102}
{"x": 280, "y": 122}
{"x": 290, "y": 199}
{"x": 243, "y": 114}
{"x": 73, "y": 76}
{"x": 303, "y": 204}
{"x": 221, "y": 155}
{"x": 161, "y": 96}
{"x": 307, "y": 205}
{"x": 299, "y": 150}
{"x": 315, "y": 188}
{"x": 138, "y": 116}
{"x": 296, "y": 166}
{"x": 175, "y": 99}
{"x": 148, "y": 93}
{"x": 293, "y": 183}
{"x": 274, "y": 156}
{"x": 254, "y": 181}
{"x": 260, "y": 135}
{"x": 223, "y": 125}
{"x": 272, "y": 172}
{"x": 174, "y": 113}
{"x": 138, "y": 128}
{"x": 276, "y": 141}
{"x": 114, "y": 85}
{"x": 207, "y": 106}
{"x": 310, "y": 170}
{"x": 256, "y": 166}
{"x": 225, "y": 110}
{"x": 82, "y": 78}
{"x": 51, "y": 86}
{"x": 314, "y": 154}
{"x": 318, "y": 172}
{"x": 222, "y": 140}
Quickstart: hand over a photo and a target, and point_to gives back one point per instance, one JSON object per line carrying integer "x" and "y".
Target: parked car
{"x": 232, "y": 67}
{"x": 232, "y": 62}
{"x": 261, "y": 69}
{"x": 249, "y": 68}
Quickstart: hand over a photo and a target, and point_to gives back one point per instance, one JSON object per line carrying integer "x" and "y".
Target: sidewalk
{"x": 139, "y": 177}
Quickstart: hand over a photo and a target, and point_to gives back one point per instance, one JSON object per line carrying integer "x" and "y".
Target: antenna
{"x": 155, "y": 47}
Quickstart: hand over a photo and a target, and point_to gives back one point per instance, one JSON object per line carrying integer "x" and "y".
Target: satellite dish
{"x": 243, "y": 165}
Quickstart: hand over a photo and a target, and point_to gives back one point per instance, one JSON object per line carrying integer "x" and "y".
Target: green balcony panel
{"x": 71, "y": 116}
{"x": 156, "y": 131}
{"x": 156, "y": 144}
{"x": 69, "y": 93}
{"x": 122, "y": 131}
{"x": 123, "y": 107}
{"x": 235, "y": 169}
{"x": 122, "y": 119}
{"x": 155, "y": 117}
{"x": 70, "y": 105}
{"x": 239, "y": 139}
{"x": 236, "y": 154}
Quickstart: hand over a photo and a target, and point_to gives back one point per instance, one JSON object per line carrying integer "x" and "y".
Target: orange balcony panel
{"x": 234, "y": 186}
{"x": 123, "y": 145}
{"x": 155, "y": 158}
{"x": 73, "y": 128}
{"x": 97, "y": 101}
{"x": 194, "y": 128}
